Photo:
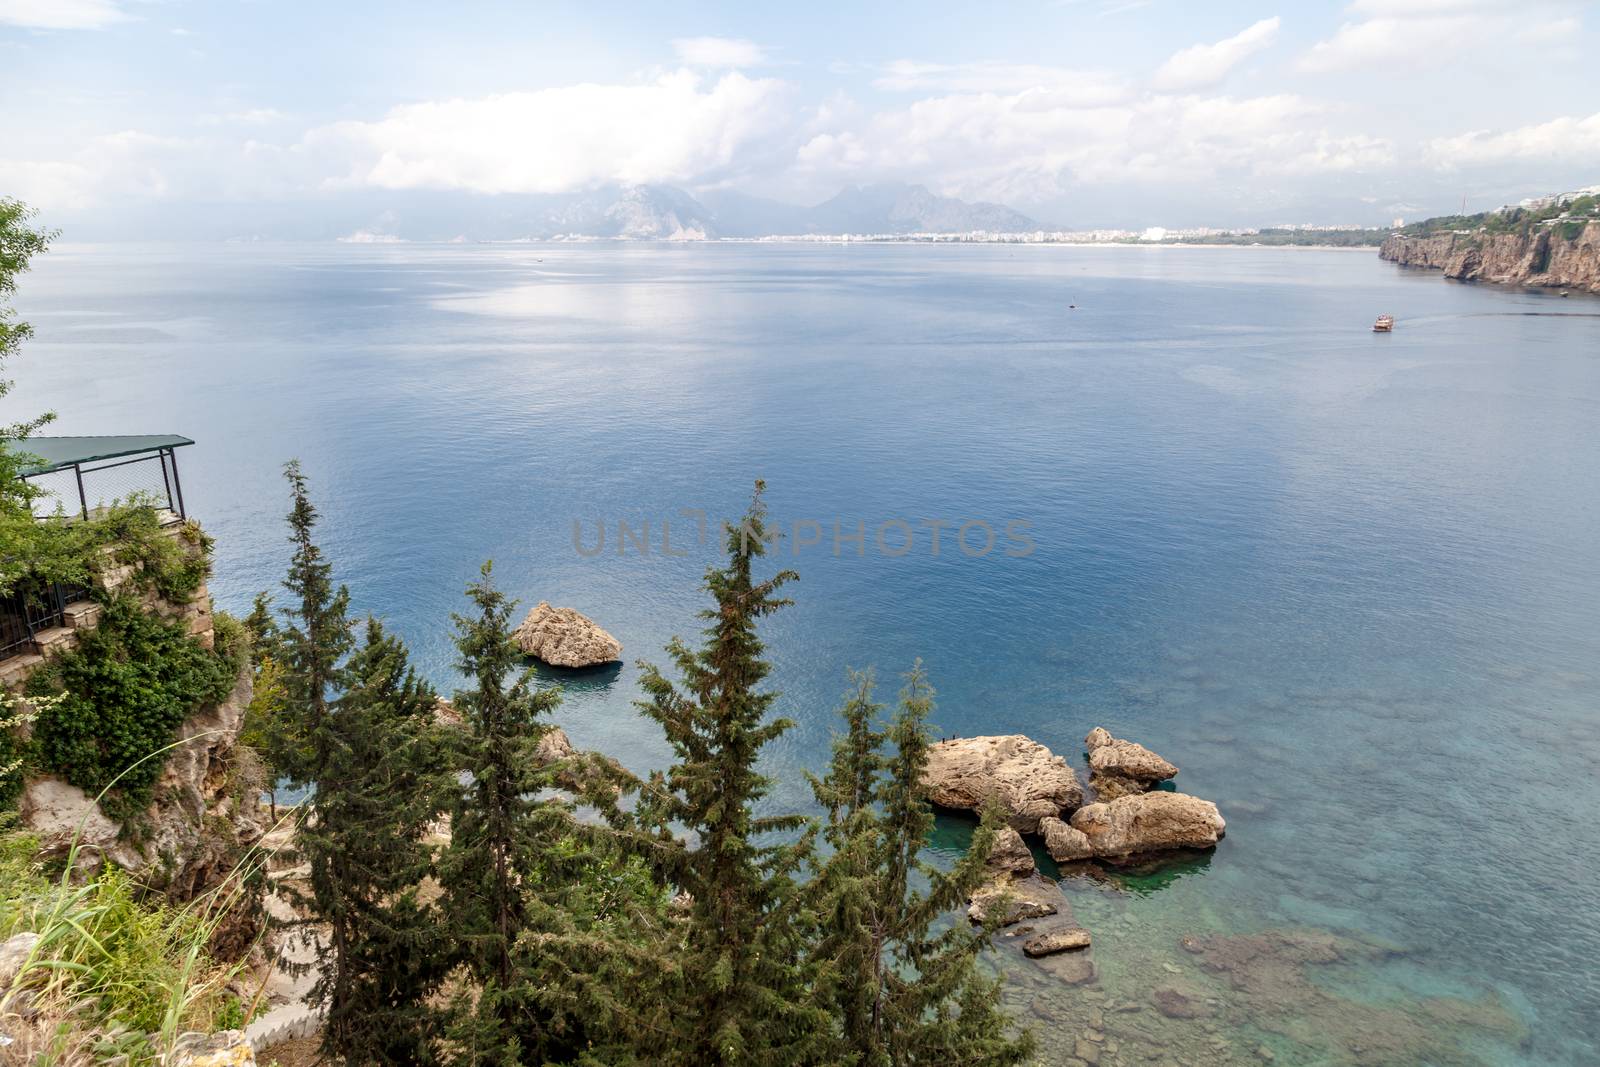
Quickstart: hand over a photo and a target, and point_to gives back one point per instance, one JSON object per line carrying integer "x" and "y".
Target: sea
{"x": 1348, "y": 582}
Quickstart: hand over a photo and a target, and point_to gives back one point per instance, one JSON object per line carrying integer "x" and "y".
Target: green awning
{"x": 61, "y": 452}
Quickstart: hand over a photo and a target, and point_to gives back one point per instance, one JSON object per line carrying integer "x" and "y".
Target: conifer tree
{"x": 508, "y": 838}
{"x": 375, "y": 801}
{"x": 902, "y": 992}
{"x": 744, "y": 995}
{"x": 355, "y": 734}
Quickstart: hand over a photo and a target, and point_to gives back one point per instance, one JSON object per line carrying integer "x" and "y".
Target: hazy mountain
{"x": 893, "y": 208}
{"x": 911, "y": 209}
{"x": 628, "y": 212}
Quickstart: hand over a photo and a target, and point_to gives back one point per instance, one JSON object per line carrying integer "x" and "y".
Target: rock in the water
{"x": 1060, "y": 939}
{"x": 1149, "y": 822}
{"x": 1063, "y": 842}
{"x": 1032, "y": 897}
{"x": 563, "y": 638}
{"x": 1027, "y": 779}
{"x": 1011, "y": 853}
{"x": 1174, "y": 1003}
{"x": 1119, "y": 768}
{"x": 554, "y": 745}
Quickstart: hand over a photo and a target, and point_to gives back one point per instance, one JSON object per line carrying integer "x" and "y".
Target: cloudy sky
{"x": 1079, "y": 112}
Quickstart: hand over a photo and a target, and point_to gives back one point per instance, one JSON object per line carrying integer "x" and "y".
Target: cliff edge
{"x": 1551, "y": 257}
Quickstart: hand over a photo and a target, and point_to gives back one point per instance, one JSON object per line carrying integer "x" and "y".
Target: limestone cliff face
{"x": 1545, "y": 258}
{"x": 205, "y": 806}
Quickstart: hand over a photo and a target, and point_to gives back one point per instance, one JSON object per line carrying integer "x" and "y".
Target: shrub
{"x": 123, "y": 691}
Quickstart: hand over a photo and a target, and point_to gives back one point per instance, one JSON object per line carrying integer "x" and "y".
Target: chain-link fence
{"x": 82, "y": 491}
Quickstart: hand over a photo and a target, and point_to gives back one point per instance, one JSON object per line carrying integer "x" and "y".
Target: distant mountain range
{"x": 619, "y": 212}
{"x": 662, "y": 212}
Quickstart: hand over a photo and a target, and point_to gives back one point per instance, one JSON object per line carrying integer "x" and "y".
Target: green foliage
{"x": 124, "y": 691}
{"x": 310, "y": 645}
{"x": 361, "y": 732}
{"x": 743, "y": 998}
{"x": 901, "y": 992}
{"x": 379, "y": 780}
{"x": 16, "y": 718}
{"x": 114, "y": 972}
{"x": 506, "y": 827}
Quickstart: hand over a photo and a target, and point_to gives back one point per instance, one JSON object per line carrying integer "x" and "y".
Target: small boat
{"x": 1384, "y": 324}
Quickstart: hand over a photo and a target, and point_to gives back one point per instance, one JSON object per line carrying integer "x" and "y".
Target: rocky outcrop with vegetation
{"x": 1559, "y": 251}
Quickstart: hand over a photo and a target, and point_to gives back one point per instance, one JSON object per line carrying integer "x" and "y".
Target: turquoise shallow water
{"x": 1347, "y": 582}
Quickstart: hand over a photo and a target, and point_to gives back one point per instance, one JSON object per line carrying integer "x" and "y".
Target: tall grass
{"x": 112, "y": 976}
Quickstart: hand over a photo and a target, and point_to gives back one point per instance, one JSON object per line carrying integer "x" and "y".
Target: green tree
{"x": 312, "y": 642}
{"x": 20, "y": 241}
{"x": 744, "y": 994}
{"x": 355, "y": 730}
{"x": 509, "y": 838}
{"x": 901, "y": 991}
{"x": 374, "y": 802}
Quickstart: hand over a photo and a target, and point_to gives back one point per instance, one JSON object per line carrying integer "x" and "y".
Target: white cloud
{"x": 1033, "y": 145}
{"x": 1434, "y": 32}
{"x": 1203, "y": 65}
{"x": 674, "y": 129}
{"x": 719, "y": 52}
{"x": 906, "y": 75}
{"x": 1566, "y": 139}
{"x": 62, "y": 14}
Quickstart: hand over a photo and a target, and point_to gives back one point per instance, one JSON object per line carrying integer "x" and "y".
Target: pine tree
{"x": 357, "y": 735}
{"x": 901, "y": 991}
{"x": 509, "y": 838}
{"x": 743, "y": 998}
{"x": 374, "y": 804}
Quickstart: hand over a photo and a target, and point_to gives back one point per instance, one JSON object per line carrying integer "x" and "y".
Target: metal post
{"x": 165, "y": 481}
{"x": 83, "y": 498}
{"x": 177, "y": 484}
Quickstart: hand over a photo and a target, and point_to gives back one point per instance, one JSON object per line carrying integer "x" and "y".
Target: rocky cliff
{"x": 1546, "y": 257}
{"x": 205, "y": 807}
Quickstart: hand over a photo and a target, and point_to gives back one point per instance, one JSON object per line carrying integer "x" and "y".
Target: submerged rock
{"x": 1149, "y": 822}
{"x": 1028, "y": 780}
{"x": 1062, "y": 938}
{"x": 1010, "y": 853}
{"x": 1032, "y": 897}
{"x": 1063, "y": 842}
{"x": 1119, "y": 768}
{"x": 563, "y": 638}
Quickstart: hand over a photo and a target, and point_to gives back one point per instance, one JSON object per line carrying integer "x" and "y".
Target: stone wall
{"x": 81, "y": 615}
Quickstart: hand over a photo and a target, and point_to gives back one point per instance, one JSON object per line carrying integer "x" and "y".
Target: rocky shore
{"x": 1547, "y": 258}
{"x": 1038, "y": 792}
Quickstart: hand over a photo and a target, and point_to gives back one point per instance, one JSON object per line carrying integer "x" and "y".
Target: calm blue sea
{"x": 1349, "y": 582}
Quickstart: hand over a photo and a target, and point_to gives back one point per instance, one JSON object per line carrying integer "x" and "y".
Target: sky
{"x": 1081, "y": 113}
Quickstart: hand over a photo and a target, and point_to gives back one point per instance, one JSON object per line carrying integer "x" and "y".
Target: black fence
{"x": 80, "y": 490}
{"x": 31, "y": 608}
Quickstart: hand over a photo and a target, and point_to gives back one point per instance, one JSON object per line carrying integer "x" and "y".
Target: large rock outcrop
{"x": 1546, "y": 257}
{"x": 1149, "y": 822}
{"x": 204, "y": 808}
{"x": 563, "y": 638}
{"x": 1028, "y": 780}
{"x": 1064, "y": 844}
{"x": 1011, "y": 853}
{"x": 1119, "y": 768}
{"x": 1015, "y": 899}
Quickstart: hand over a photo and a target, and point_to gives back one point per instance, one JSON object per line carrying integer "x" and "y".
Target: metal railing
{"x": 30, "y": 609}
{"x": 83, "y": 490}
